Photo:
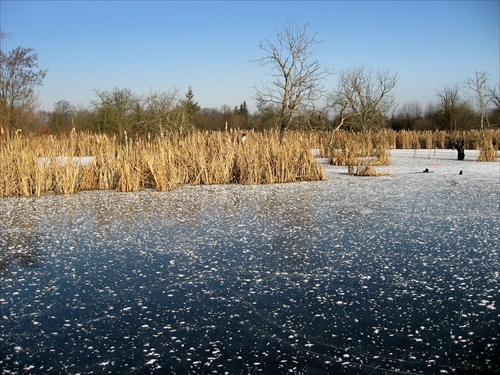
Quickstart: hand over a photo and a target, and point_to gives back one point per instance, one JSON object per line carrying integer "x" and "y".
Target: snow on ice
{"x": 397, "y": 273}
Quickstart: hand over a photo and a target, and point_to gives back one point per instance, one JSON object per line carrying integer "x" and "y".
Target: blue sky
{"x": 209, "y": 45}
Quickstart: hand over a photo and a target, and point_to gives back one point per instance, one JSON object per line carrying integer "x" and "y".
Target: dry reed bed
{"x": 360, "y": 152}
{"x": 330, "y": 143}
{"x": 163, "y": 163}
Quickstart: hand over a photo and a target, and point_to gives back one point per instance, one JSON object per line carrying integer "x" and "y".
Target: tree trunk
{"x": 460, "y": 147}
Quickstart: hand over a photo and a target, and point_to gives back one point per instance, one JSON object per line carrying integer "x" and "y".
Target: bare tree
{"x": 298, "y": 77}
{"x": 494, "y": 94}
{"x": 160, "y": 112}
{"x": 450, "y": 100}
{"x": 407, "y": 116}
{"x": 363, "y": 97}
{"x": 451, "y": 105}
{"x": 65, "y": 108}
{"x": 411, "y": 110}
{"x": 479, "y": 93}
{"x": 115, "y": 109}
{"x": 18, "y": 78}
{"x": 62, "y": 118}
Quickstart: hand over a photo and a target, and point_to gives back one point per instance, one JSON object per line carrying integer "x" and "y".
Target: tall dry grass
{"x": 330, "y": 142}
{"x": 34, "y": 165}
{"x": 487, "y": 150}
{"x": 360, "y": 152}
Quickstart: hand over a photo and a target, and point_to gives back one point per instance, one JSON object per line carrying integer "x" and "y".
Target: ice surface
{"x": 350, "y": 275}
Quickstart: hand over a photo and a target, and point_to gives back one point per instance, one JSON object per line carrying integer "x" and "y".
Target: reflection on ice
{"x": 351, "y": 275}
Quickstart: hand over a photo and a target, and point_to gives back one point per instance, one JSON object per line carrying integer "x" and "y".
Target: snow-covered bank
{"x": 437, "y": 161}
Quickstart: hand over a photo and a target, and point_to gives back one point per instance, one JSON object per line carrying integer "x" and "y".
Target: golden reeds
{"x": 329, "y": 142}
{"x": 362, "y": 151}
{"x": 362, "y": 154}
{"x": 32, "y": 166}
{"x": 487, "y": 152}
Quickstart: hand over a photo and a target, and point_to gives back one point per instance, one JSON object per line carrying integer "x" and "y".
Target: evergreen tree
{"x": 190, "y": 106}
{"x": 243, "y": 109}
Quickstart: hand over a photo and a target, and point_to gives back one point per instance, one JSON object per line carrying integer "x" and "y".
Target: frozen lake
{"x": 370, "y": 275}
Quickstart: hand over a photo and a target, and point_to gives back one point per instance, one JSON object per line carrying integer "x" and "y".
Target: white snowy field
{"x": 390, "y": 274}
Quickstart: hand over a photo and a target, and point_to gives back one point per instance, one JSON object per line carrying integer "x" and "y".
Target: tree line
{"x": 294, "y": 98}
{"x": 120, "y": 110}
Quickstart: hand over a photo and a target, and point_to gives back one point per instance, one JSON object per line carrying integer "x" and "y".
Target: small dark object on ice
{"x": 426, "y": 170}
{"x": 461, "y": 172}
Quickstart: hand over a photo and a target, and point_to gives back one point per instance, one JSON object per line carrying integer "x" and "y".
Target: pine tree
{"x": 191, "y": 107}
{"x": 243, "y": 109}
